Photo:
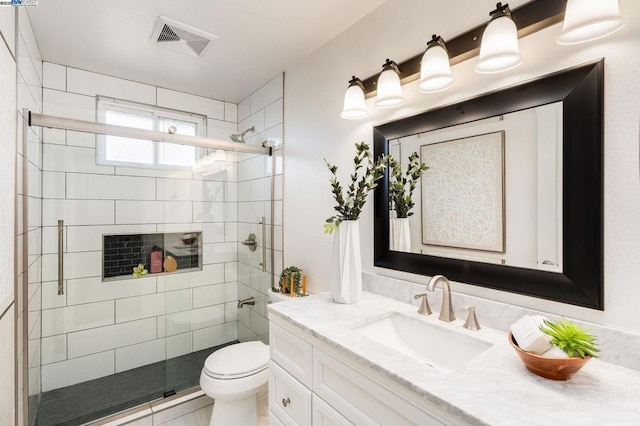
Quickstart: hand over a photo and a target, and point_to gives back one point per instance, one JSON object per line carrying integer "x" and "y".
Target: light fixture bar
{"x": 530, "y": 18}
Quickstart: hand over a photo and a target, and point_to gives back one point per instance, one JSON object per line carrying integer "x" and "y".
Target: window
{"x": 120, "y": 151}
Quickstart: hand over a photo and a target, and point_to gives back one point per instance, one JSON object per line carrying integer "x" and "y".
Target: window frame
{"x": 156, "y": 113}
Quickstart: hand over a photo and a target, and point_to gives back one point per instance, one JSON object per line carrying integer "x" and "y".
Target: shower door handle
{"x": 60, "y": 257}
{"x": 263, "y": 222}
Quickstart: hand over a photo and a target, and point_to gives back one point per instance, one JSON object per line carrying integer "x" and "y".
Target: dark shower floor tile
{"x": 92, "y": 400}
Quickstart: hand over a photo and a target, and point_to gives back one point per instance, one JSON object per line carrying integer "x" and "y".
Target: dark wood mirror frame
{"x": 581, "y": 89}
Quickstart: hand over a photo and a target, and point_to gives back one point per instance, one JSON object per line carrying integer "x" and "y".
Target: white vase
{"x": 346, "y": 265}
{"x": 399, "y": 234}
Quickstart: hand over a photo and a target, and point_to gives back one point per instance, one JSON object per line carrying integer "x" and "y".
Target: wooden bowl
{"x": 549, "y": 367}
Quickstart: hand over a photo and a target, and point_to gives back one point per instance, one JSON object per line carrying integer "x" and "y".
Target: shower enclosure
{"x": 137, "y": 251}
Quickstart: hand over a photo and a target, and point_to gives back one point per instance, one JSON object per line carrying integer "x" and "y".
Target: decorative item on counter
{"x": 572, "y": 347}
{"x": 155, "y": 260}
{"x": 530, "y": 338}
{"x": 346, "y": 266}
{"x": 139, "y": 270}
{"x": 170, "y": 264}
{"x": 401, "y": 187}
{"x": 292, "y": 282}
{"x": 571, "y": 338}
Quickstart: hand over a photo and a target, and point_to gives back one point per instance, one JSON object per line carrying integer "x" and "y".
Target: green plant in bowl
{"x": 570, "y": 337}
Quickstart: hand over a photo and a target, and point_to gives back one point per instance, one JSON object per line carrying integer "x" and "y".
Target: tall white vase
{"x": 400, "y": 235}
{"x": 346, "y": 264}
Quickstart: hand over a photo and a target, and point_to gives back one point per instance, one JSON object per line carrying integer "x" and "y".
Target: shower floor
{"x": 92, "y": 400}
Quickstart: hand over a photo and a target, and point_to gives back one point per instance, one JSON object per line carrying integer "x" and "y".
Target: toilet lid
{"x": 239, "y": 360}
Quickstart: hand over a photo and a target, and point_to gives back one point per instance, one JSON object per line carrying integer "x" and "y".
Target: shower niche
{"x": 159, "y": 253}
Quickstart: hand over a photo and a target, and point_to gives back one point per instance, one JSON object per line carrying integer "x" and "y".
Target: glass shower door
{"x": 229, "y": 196}
{"x": 152, "y": 266}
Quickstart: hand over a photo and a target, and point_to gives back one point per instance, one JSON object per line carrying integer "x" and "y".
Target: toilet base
{"x": 240, "y": 412}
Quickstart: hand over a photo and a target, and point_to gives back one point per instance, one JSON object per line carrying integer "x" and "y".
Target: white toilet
{"x": 236, "y": 377}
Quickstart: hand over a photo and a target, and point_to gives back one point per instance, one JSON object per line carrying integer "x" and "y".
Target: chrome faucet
{"x": 446, "y": 311}
{"x": 248, "y": 301}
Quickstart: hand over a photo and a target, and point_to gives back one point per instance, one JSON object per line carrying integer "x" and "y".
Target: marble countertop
{"x": 494, "y": 388}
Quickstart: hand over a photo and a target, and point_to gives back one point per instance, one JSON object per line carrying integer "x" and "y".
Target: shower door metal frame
{"x": 53, "y": 122}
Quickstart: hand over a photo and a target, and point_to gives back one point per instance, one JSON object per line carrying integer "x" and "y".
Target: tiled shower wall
{"x": 262, "y": 109}
{"x": 29, "y": 161}
{"x": 9, "y": 307}
{"x": 99, "y": 328}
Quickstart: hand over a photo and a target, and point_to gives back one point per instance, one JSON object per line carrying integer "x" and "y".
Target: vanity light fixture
{"x": 496, "y": 41}
{"x": 354, "y": 105}
{"x": 435, "y": 70}
{"x": 587, "y": 20}
{"x": 388, "y": 87}
{"x": 499, "y": 48}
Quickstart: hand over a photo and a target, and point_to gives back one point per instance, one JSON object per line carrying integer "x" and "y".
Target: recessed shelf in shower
{"x": 160, "y": 253}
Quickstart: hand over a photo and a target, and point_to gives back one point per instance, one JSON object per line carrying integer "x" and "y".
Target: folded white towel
{"x": 528, "y": 335}
{"x": 556, "y": 352}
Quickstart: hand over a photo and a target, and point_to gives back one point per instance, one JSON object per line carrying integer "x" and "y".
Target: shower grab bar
{"x": 264, "y": 244}
{"x": 60, "y": 257}
{"x": 54, "y": 122}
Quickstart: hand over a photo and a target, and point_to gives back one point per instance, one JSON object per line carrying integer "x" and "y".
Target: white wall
{"x": 400, "y": 29}
{"x": 99, "y": 328}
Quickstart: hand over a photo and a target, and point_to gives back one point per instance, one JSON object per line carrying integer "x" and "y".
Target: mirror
{"x": 576, "y": 276}
{"x": 484, "y": 177}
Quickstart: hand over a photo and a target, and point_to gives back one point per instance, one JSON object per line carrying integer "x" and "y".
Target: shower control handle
{"x": 251, "y": 242}
{"x": 286, "y": 402}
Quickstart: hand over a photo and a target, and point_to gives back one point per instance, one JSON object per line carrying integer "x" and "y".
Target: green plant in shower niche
{"x": 402, "y": 185}
{"x": 570, "y": 337}
{"x": 366, "y": 173}
{"x": 139, "y": 270}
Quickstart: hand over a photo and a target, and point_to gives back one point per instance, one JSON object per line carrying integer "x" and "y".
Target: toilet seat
{"x": 237, "y": 361}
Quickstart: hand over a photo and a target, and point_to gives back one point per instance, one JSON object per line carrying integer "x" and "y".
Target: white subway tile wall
{"x": 30, "y": 96}
{"x": 98, "y": 328}
{"x": 262, "y": 109}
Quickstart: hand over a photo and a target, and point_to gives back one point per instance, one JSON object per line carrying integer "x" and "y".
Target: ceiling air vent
{"x": 180, "y": 37}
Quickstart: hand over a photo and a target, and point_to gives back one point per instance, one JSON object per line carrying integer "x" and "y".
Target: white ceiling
{"x": 257, "y": 39}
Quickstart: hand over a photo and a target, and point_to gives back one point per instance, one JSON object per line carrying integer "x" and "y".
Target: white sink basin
{"x": 437, "y": 346}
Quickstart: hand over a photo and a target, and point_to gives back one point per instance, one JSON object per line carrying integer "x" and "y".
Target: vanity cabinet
{"x": 311, "y": 384}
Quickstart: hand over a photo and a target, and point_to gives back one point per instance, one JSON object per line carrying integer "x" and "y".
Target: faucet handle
{"x": 472, "y": 321}
{"x": 424, "y": 308}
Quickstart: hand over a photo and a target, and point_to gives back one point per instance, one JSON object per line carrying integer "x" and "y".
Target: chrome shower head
{"x": 240, "y": 137}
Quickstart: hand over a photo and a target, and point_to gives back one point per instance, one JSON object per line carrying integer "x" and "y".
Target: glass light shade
{"x": 499, "y": 48}
{"x": 587, "y": 20}
{"x": 354, "y": 105}
{"x": 435, "y": 71}
{"x": 389, "y": 90}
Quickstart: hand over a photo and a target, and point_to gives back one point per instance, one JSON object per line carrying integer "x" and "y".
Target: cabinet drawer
{"x": 359, "y": 399}
{"x": 289, "y": 399}
{"x": 291, "y": 353}
{"x": 324, "y": 415}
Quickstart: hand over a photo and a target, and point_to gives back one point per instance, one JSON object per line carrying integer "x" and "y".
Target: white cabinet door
{"x": 359, "y": 399}
{"x": 289, "y": 399}
{"x": 291, "y": 353}
{"x": 324, "y": 415}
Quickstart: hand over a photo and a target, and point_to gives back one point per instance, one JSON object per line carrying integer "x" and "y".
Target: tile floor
{"x": 196, "y": 412}
{"x": 85, "y": 402}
